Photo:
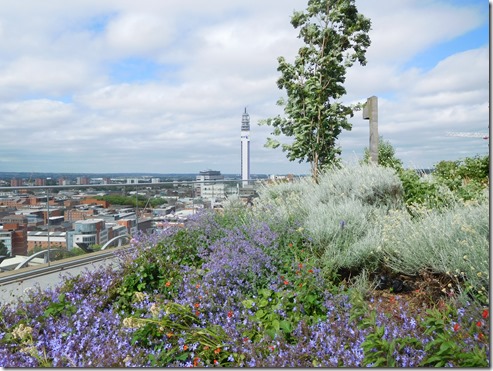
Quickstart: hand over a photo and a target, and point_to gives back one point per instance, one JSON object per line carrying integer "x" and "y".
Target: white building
{"x": 213, "y": 191}
{"x": 209, "y": 185}
{"x": 89, "y": 232}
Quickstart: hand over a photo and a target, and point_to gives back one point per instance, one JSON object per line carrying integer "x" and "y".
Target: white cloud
{"x": 45, "y": 75}
{"x": 210, "y": 60}
{"x": 33, "y": 114}
{"x": 138, "y": 33}
{"x": 402, "y": 29}
{"x": 462, "y": 72}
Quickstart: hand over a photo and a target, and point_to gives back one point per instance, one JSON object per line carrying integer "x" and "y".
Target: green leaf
{"x": 248, "y": 304}
{"x": 285, "y": 326}
{"x": 263, "y": 303}
{"x": 260, "y": 314}
{"x": 271, "y": 333}
{"x": 183, "y": 356}
{"x": 276, "y": 325}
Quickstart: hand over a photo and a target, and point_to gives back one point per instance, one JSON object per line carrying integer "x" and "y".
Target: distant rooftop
{"x": 210, "y": 172}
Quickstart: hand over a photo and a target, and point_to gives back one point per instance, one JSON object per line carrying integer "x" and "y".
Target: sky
{"x": 152, "y": 86}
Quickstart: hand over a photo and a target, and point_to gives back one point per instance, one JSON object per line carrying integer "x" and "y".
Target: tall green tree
{"x": 335, "y": 36}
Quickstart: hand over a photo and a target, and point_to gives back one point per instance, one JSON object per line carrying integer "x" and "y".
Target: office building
{"x": 207, "y": 181}
{"x": 89, "y": 232}
{"x": 82, "y": 180}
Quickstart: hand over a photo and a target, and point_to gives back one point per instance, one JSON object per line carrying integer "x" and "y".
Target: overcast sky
{"x": 157, "y": 86}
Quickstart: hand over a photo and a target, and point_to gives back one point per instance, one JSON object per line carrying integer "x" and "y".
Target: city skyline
{"x": 157, "y": 87}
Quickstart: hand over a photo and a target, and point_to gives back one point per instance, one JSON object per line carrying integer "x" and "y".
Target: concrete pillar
{"x": 370, "y": 112}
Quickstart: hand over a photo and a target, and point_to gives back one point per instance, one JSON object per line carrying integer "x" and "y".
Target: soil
{"x": 422, "y": 291}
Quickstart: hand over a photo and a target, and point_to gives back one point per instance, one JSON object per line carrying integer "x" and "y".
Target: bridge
{"x": 15, "y": 283}
{"x": 47, "y": 253}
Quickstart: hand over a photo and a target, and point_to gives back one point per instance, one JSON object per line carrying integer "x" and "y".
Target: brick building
{"x": 39, "y": 182}
{"x": 93, "y": 201}
{"x": 73, "y": 215}
{"x": 17, "y": 225}
{"x": 14, "y": 182}
{"x": 39, "y": 240}
{"x": 15, "y": 202}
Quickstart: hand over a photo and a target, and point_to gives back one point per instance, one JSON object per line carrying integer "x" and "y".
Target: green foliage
{"x": 335, "y": 36}
{"x": 163, "y": 334}
{"x": 57, "y": 308}
{"x": 386, "y": 155}
{"x": 380, "y": 352}
{"x": 451, "y": 181}
{"x": 447, "y": 346}
{"x": 299, "y": 298}
{"x": 158, "y": 268}
{"x": 466, "y": 178}
{"x": 279, "y": 312}
{"x": 122, "y": 200}
{"x": 425, "y": 192}
{"x": 76, "y": 251}
{"x": 267, "y": 307}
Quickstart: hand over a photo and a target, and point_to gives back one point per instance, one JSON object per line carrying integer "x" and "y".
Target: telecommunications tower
{"x": 245, "y": 148}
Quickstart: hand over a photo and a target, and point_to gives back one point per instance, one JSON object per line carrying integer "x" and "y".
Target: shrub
{"x": 454, "y": 242}
{"x": 373, "y": 185}
{"x": 471, "y": 169}
{"x": 386, "y": 155}
{"x": 424, "y": 191}
{"x": 450, "y": 181}
{"x": 338, "y": 214}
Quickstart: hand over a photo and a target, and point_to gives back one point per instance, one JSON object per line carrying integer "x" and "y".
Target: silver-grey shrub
{"x": 283, "y": 201}
{"x": 372, "y": 185}
{"x": 454, "y": 241}
{"x": 339, "y": 213}
{"x": 342, "y": 231}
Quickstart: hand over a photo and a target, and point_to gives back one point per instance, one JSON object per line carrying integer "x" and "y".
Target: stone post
{"x": 370, "y": 112}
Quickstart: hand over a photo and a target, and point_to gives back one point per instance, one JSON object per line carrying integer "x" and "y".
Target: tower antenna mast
{"x": 245, "y": 148}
